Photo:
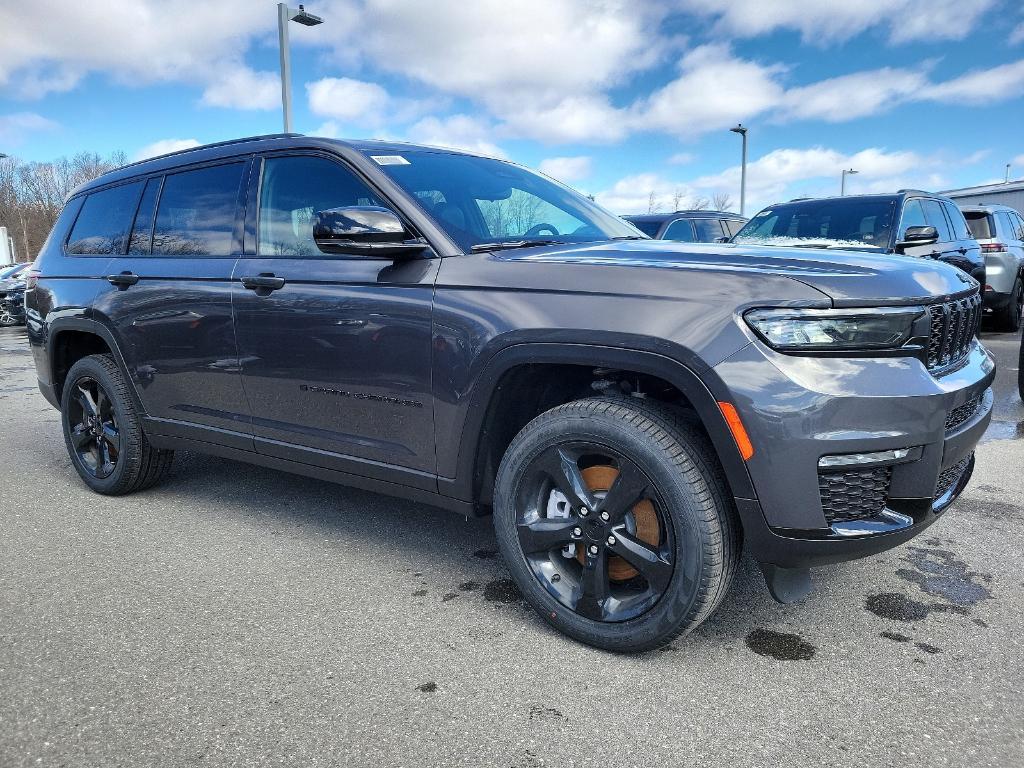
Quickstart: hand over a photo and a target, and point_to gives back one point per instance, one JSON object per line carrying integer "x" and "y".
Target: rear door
{"x": 336, "y": 360}
{"x": 169, "y": 305}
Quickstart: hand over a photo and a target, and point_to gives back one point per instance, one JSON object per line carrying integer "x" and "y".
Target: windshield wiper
{"x": 500, "y": 246}
{"x": 631, "y": 237}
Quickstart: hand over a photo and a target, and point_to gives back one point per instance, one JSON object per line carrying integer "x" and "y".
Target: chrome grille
{"x": 953, "y": 325}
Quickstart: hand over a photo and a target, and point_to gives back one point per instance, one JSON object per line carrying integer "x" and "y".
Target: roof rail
{"x": 225, "y": 143}
{"x": 916, "y": 191}
{"x": 800, "y": 199}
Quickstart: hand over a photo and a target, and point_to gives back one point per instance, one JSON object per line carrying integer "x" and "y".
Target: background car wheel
{"x": 8, "y": 318}
{"x": 615, "y": 521}
{"x": 1009, "y": 317}
{"x": 1020, "y": 371}
{"x": 102, "y": 430}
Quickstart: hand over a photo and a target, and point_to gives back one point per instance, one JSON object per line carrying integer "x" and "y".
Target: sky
{"x": 619, "y": 99}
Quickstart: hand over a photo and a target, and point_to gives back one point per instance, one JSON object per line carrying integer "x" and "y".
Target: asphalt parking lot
{"x": 239, "y": 616}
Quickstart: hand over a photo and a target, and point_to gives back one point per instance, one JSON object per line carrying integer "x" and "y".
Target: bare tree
{"x": 33, "y": 193}
{"x": 653, "y": 205}
{"x": 700, "y": 204}
{"x": 677, "y": 199}
{"x": 721, "y": 201}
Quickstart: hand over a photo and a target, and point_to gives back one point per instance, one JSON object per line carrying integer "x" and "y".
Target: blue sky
{"x": 619, "y": 99}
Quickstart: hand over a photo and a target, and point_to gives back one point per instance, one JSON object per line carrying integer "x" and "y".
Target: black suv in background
{"x": 910, "y": 222}
{"x": 12, "y": 295}
{"x": 464, "y": 332}
{"x": 688, "y": 226}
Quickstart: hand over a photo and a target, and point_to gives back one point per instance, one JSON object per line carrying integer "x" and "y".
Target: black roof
{"x": 234, "y": 147}
{"x": 685, "y": 214}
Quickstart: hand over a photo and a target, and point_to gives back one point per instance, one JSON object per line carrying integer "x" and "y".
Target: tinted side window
{"x": 708, "y": 230}
{"x": 1020, "y": 226}
{"x": 732, "y": 226}
{"x": 196, "y": 213}
{"x": 680, "y": 230}
{"x": 292, "y": 191}
{"x": 936, "y": 218}
{"x": 913, "y": 216}
{"x": 1008, "y": 225}
{"x": 102, "y": 224}
{"x": 956, "y": 217}
{"x": 141, "y": 242}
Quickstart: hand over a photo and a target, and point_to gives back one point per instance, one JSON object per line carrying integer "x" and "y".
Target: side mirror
{"x": 364, "y": 230}
{"x": 918, "y": 236}
{"x": 721, "y": 239}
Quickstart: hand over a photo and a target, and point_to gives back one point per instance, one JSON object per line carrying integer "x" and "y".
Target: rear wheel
{"x": 615, "y": 521}
{"x": 103, "y": 433}
{"x": 1008, "y": 318}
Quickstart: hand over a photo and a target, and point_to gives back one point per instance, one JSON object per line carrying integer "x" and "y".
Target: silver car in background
{"x": 999, "y": 230}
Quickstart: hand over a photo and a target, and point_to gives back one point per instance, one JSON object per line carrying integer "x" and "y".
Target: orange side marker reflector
{"x": 739, "y": 432}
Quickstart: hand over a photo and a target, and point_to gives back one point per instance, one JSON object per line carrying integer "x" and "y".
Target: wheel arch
{"x": 489, "y": 428}
{"x": 71, "y": 339}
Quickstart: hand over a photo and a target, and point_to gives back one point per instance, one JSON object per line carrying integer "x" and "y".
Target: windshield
{"x": 480, "y": 201}
{"x": 834, "y": 222}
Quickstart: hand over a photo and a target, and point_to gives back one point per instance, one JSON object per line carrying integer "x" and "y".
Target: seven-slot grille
{"x": 954, "y": 324}
{"x": 853, "y": 494}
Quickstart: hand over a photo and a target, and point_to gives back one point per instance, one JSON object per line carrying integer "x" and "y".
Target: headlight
{"x": 834, "y": 329}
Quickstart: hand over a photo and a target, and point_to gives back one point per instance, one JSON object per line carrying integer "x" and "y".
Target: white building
{"x": 1010, "y": 193}
{"x": 7, "y": 253}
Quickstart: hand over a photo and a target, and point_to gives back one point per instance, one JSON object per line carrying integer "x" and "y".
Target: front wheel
{"x": 615, "y": 521}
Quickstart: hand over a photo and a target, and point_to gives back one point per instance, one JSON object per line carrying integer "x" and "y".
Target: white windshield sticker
{"x": 389, "y": 160}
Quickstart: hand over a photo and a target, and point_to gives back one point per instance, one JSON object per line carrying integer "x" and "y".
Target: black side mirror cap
{"x": 918, "y": 236}
{"x": 364, "y": 230}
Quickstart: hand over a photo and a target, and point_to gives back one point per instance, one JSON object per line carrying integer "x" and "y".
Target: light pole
{"x": 1006, "y": 181}
{"x": 743, "y": 168}
{"x": 284, "y": 15}
{"x": 842, "y": 181}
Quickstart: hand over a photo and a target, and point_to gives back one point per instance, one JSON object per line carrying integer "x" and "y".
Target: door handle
{"x": 123, "y": 280}
{"x": 263, "y": 284}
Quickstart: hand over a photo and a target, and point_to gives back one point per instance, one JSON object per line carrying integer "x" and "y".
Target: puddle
{"x": 1003, "y": 430}
{"x": 940, "y": 573}
{"x": 502, "y": 591}
{"x": 897, "y": 607}
{"x": 781, "y": 646}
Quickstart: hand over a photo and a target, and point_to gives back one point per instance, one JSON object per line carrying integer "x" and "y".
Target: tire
{"x": 1020, "y": 371}
{"x": 653, "y": 447}
{"x": 8, "y": 318}
{"x": 1008, "y": 318}
{"x": 103, "y": 433}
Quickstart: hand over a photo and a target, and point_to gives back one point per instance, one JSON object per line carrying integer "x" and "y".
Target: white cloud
{"x": 714, "y": 90}
{"x": 682, "y": 158}
{"x": 851, "y": 96}
{"x": 456, "y": 131}
{"x": 242, "y": 88}
{"x": 348, "y": 100}
{"x": 566, "y": 169}
{"x": 981, "y": 86}
{"x": 572, "y": 119}
{"x": 827, "y": 22}
{"x": 632, "y": 194}
{"x": 1017, "y": 35}
{"x": 18, "y": 126}
{"x": 163, "y": 146}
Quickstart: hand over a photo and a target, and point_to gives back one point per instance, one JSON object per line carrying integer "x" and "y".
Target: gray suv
{"x": 999, "y": 230}
{"x": 465, "y": 333}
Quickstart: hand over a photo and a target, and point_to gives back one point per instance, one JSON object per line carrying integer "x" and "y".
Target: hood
{"x": 849, "y": 278}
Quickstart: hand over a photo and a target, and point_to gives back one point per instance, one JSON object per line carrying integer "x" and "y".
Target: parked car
{"x": 999, "y": 230}
{"x": 909, "y": 222}
{"x": 12, "y": 295}
{"x": 688, "y": 226}
{"x": 463, "y": 332}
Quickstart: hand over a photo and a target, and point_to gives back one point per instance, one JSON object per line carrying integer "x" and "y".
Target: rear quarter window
{"x": 196, "y": 212}
{"x": 956, "y": 217}
{"x": 103, "y": 223}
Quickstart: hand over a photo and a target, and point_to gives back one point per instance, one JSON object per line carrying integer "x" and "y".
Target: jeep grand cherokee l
{"x": 463, "y": 332}
{"x": 999, "y": 231}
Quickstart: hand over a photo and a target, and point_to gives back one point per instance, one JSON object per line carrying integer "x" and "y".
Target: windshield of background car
{"x": 836, "y": 222}
{"x": 479, "y": 200}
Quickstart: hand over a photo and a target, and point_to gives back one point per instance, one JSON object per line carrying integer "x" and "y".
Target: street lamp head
{"x": 851, "y": 171}
{"x": 739, "y": 129}
{"x": 306, "y": 19}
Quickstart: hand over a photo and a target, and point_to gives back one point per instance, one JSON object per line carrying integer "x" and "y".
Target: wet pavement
{"x": 239, "y": 616}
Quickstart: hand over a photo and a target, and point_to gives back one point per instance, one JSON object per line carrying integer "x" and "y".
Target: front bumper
{"x": 800, "y": 409}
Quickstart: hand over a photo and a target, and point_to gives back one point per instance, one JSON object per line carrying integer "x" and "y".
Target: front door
{"x": 170, "y": 303}
{"x": 336, "y": 350}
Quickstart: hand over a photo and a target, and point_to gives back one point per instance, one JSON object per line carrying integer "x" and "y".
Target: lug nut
{"x": 611, "y": 541}
{"x": 584, "y": 511}
{"x": 556, "y": 577}
{"x": 604, "y": 516}
{"x": 577, "y": 532}
{"x": 593, "y": 549}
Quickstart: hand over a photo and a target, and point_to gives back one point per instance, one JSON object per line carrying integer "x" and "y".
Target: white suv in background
{"x": 999, "y": 230}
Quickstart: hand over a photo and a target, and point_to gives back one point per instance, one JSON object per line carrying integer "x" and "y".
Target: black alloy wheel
{"x": 93, "y": 427}
{"x": 590, "y": 527}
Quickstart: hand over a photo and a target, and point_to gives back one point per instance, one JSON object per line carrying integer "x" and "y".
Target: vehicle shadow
{"x": 423, "y": 537}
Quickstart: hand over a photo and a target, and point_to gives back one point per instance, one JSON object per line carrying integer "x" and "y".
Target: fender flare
{"x": 703, "y": 391}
